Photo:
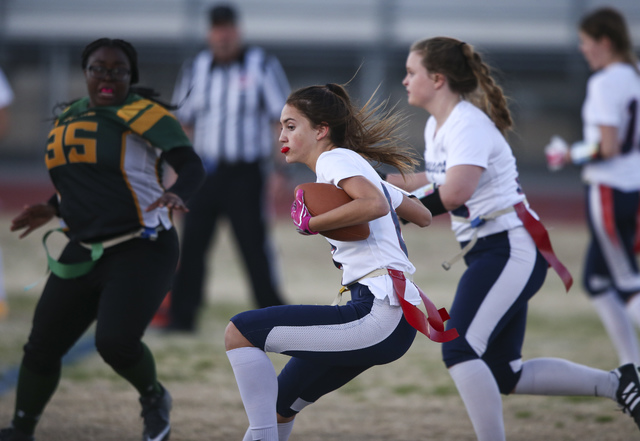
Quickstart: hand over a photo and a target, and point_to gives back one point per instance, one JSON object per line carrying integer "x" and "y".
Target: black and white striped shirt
{"x": 232, "y": 106}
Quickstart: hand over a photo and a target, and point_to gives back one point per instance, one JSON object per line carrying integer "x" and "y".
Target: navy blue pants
{"x": 611, "y": 262}
{"x": 328, "y": 345}
{"x": 489, "y": 310}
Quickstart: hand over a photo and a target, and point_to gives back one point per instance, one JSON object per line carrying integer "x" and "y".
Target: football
{"x": 320, "y": 198}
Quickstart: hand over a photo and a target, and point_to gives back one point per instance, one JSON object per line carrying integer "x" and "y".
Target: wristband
{"x": 433, "y": 202}
{"x": 582, "y": 152}
{"x": 424, "y": 191}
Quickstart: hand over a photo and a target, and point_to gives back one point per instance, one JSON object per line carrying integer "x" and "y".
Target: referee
{"x": 234, "y": 96}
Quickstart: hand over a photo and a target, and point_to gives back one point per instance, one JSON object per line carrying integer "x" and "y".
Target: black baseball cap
{"x": 222, "y": 14}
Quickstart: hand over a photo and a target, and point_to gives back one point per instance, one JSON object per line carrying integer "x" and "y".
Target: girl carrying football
{"x": 330, "y": 345}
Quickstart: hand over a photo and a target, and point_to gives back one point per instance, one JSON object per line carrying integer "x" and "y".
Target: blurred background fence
{"x": 532, "y": 44}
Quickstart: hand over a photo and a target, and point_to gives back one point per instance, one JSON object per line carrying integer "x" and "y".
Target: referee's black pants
{"x": 237, "y": 192}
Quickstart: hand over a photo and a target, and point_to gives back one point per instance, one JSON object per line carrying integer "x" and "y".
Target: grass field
{"x": 411, "y": 399}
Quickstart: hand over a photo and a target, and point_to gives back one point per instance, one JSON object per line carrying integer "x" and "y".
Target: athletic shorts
{"x": 329, "y": 345}
{"x": 611, "y": 260}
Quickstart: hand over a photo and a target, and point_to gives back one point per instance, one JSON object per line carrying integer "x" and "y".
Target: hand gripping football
{"x": 320, "y": 198}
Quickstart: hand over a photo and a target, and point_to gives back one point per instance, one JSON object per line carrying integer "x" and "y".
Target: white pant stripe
{"x": 372, "y": 329}
{"x": 505, "y": 291}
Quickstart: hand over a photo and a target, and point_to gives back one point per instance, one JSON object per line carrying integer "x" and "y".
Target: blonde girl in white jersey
{"x": 472, "y": 175}
{"x": 610, "y": 156}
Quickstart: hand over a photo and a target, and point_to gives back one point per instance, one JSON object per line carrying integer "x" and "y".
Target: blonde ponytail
{"x": 467, "y": 75}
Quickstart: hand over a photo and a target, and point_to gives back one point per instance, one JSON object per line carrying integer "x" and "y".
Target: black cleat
{"x": 155, "y": 412}
{"x": 11, "y": 434}
{"x": 628, "y": 393}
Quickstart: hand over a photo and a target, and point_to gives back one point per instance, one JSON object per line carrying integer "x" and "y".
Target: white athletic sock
{"x": 481, "y": 396}
{"x": 555, "y": 376}
{"x": 258, "y": 387}
{"x": 284, "y": 430}
{"x": 633, "y": 308}
{"x": 618, "y": 325}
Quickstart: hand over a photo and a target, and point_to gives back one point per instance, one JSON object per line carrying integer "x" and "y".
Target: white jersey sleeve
{"x": 397, "y": 195}
{"x": 468, "y": 142}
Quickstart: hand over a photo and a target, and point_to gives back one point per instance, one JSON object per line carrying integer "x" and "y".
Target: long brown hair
{"x": 607, "y": 22}
{"x": 467, "y": 75}
{"x": 370, "y": 131}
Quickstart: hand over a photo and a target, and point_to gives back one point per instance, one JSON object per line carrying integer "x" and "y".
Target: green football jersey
{"x": 105, "y": 165}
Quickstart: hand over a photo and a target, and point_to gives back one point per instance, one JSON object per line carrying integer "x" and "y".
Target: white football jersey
{"x": 384, "y": 248}
{"x": 469, "y": 137}
{"x": 613, "y": 99}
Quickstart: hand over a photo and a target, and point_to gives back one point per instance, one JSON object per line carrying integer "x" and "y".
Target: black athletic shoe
{"x": 155, "y": 412}
{"x": 628, "y": 393}
{"x": 11, "y": 434}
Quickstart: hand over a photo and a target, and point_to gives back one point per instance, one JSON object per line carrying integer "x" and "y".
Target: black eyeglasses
{"x": 100, "y": 73}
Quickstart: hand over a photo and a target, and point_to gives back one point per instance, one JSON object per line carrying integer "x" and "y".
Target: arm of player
{"x": 409, "y": 182}
{"x": 460, "y": 183}
{"x": 609, "y": 144}
{"x": 32, "y": 217}
{"x": 368, "y": 203}
{"x": 412, "y": 210}
{"x": 188, "y": 166}
{"x": 558, "y": 153}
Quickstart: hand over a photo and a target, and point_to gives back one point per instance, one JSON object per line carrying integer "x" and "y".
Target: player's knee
{"x": 234, "y": 339}
{"x": 503, "y": 372}
{"x": 287, "y": 411}
{"x": 282, "y": 419}
{"x": 505, "y": 376}
{"x": 454, "y": 352}
{"x": 595, "y": 285}
{"x": 116, "y": 352}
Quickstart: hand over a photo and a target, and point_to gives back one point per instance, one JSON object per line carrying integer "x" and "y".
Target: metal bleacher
{"x": 533, "y": 43}
{"x": 494, "y": 23}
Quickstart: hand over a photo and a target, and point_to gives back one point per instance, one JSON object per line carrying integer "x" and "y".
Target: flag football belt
{"x": 431, "y": 324}
{"x": 534, "y": 227}
{"x": 74, "y": 270}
